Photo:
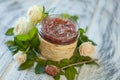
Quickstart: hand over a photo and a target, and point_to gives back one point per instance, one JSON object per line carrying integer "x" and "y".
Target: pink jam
{"x": 60, "y": 31}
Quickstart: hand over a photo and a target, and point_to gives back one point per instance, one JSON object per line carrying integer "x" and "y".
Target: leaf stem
{"x": 35, "y": 51}
{"x": 81, "y": 40}
{"x": 78, "y": 63}
{"x": 27, "y": 48}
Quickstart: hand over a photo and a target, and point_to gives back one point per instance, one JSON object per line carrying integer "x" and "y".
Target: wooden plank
{"x": 105, "y": 30}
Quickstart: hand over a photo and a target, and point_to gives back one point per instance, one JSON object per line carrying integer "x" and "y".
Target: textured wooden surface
{"x": 103, "y": 19}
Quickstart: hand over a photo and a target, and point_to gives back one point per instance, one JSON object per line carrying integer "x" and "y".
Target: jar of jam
{"x": 58, "y": 37}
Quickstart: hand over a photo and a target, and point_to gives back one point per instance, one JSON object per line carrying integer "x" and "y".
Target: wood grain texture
{"x": 103, "y": 19}
{"x": 105, "y": 30}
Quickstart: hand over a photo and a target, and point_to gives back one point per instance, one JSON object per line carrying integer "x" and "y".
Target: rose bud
{"x": 86, "y": 49}
{"x": 20, "y": 57}
{"x": 23, "y": 26}
{"x": 51, "y": 70}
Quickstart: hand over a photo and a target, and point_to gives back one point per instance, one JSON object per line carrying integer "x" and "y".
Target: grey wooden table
{"x": 103, "y": 19}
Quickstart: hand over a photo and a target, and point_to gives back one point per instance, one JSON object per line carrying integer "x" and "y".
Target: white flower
{"x": 23, "y": 26}
{"x": 20, "y": 57}
{"x": 86, "y": 49}
{"x": 35, "y": 13}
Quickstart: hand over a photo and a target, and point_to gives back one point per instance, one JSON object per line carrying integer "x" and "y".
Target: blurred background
{"x": 102, "y": 18}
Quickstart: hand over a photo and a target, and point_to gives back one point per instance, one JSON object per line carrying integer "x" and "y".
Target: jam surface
{"x": 60, "y": 31}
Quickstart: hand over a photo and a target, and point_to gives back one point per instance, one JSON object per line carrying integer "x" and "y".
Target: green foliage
{"x": 11, "y": 46}
{"x": 75, "y": 57}
{"x": 67, "y": 16}
{"x": 78, "y": 58}
{"x": 39, "y": 68}
{"x": 83, "y": 38}
{"x": 22, "y": 45}
{"x": 9, "y": 32}
{"x": 93, "y": 63}
{"x": 23, "y": 37}
{"x": 31, "y": 55}
{"x": 26, "y": 65}
{"x": 57, "y": 77}
{"x": 27, "y": 37}
{"x": 23, "y": 41}
{"x": 74, "y": 18}
{"x": 13, "y": 49}
{"x": 35, "y": 42}
{"x": 64, "y": 62}
{"x": 32, "y": 34}
{"x": 10, "y": 43}
{"x": 18, "y": 42}
{"x": 49, "y": 62}
{"x": 70, "y": 73}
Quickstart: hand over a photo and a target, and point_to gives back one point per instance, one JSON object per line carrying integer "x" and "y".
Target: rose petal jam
{"x": 58, "y": 30}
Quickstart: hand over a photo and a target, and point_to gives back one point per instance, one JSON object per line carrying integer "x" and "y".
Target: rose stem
{"x": 27, "y": 48}
{"x": 78, "y": 63}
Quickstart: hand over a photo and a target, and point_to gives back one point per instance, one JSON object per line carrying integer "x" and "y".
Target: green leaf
{"x": 85, "y": 58}
{"x": 70, "y": 73}
{"x": 74, "y": 18}
{"x": 62, "y": 72}
{"x": 49, "y": 62}
{"x": 57, "y": 77}
{"x": 10, "y": 43}
{"x": 81, "y": 31}
{"x": 37, "y": 59}
{"x": 26, "y": 44}
{"x": 35, "y": 42}
{"x": 67, "y": 16}
{"x": 76, "y": 57}
{"x": 83, "y": 38}
{"x": 18, "y": 42}
{"x": 64, "y": 62}
{"x": 13, "y": 49}
{"x": 23, "y": 37}
{"x": 9, "y": 32}
{"x": 39, "y": 68}
{"x": 92, "y": 42}
{"x": 22, "y": 45}
{"x": 31, "y": 55}
{"x": 26, "y": 65}
{"x": 32, "y": 33}
{"x": 93, "y": 63}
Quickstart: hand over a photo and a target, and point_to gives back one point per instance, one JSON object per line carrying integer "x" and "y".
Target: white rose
{"x": 87, "y": 49}
{"x": 35, "y": 13}
{"x": 20, "y": 57}
{"x": 23, "y": 26}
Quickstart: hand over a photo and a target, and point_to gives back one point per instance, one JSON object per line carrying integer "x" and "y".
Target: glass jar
{"x": 58, "y": 36}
